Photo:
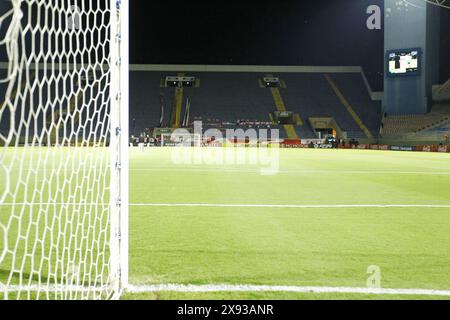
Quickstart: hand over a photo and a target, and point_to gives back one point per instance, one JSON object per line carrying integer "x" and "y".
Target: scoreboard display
{"x": 404, "y": 62}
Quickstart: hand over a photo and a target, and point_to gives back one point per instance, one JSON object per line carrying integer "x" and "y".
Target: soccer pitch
{"x": 321, "y": 221}
{"x": 319, "y": 218}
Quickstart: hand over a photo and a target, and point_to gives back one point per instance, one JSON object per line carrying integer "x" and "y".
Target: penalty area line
{"x": 293, "y": 289}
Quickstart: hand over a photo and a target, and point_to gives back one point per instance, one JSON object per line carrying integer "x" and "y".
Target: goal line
{"x": 224, "y": 288}
{"x": 291, "y": 206}
{"x": 224, "y": 205}
{"x": 293, "y": 289}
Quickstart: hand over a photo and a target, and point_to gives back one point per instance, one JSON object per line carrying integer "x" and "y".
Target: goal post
{"x": 64, "y": 149}
{"x": 120, "y": 126}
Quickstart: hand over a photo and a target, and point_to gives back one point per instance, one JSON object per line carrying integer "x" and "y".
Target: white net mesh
{"x": 57, "y": 215}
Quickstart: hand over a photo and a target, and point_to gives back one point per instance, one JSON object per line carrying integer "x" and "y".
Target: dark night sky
{"x": 280, "y": 32}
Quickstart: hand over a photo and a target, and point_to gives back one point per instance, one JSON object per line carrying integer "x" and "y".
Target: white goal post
{"x": 64, "y": 149}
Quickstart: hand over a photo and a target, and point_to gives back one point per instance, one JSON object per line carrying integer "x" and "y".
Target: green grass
{"x": 289, "y": 246}
{"x": 293, "y": 247}
{"x": 305, "y": 247}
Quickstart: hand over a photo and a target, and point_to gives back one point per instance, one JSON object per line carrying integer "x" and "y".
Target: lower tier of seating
{"x": 403, "y": 124}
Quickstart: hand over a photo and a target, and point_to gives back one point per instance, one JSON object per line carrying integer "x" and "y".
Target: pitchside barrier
{"x": 307, "y": 144}
{"x": 380, "y": 147}
{"x": 429, "y": 148}
{"x": 242, "y": 144}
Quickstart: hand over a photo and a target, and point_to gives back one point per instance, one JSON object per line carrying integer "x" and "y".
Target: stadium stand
{"x": 230, "y": 97}
{"x": 352, "y": 86}
{"x": 54, "y": 122}
{"x": 445, "y": 88}
{"x": 227, "y": 97}
{"x": 145, "y": 100}
{"x": 405, "y": 124}
{"x": 439, "y": 130}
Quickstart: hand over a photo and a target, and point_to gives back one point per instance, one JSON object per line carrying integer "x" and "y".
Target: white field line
{"x": 294, "y": 289}
{"x": 230, "y": 170}
{"x": 223, "y": 205}
{"x": 228, "y": 288}
{"x": 289, "y": 206}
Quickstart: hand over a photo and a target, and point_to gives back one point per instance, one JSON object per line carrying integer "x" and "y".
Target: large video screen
{"x": 404, "y": 62}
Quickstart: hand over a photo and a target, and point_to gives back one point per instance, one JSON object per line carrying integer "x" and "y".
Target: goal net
{"x": 63, "y": 148}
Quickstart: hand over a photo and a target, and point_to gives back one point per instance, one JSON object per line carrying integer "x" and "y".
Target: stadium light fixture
{"x": 440, "y": 3}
